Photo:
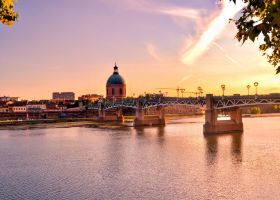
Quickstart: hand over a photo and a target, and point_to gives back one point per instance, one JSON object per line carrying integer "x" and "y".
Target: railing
{"x": 242, "y": 102}
{"x": 218, "y": 101}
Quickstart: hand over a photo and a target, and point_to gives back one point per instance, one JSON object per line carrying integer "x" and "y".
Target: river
{"x": 172, "y": 162}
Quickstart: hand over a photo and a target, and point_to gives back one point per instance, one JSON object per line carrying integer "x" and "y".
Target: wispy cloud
{"x": 185, "y": 78}
{"x": 188, "y": 13}
{"x": 219, "y": 46}
{"x": 127, "y": 4}
{"x": 215, "y": 27}
{"x": 152, "y": 50}
{"x": 231, "y": 59}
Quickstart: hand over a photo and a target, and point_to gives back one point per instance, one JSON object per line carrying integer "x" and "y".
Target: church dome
{"x": 115, "y": 78}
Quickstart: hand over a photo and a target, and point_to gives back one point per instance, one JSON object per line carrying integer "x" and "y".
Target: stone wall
{"x": 48, "y": 115}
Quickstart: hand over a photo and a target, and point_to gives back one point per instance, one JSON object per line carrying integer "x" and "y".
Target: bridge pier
{"x": 101, "y": 113}
{"x": 102, "y": 117}
{"x": 213, "y": 126}
{"x": 142, "y": 120}
{"x": 119, "y": 114}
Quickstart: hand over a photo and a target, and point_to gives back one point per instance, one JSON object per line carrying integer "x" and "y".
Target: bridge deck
{"x": 218, "y": 102}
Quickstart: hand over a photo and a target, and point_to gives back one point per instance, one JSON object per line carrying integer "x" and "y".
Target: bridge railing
{"x": 219, "y": 102}
{"x": 147, "y": 102}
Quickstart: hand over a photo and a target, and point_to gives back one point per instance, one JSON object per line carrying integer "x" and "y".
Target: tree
{"x": 7, "y": 13}
{"x": 255, "y": 110}
{"x": 261, "y": 17}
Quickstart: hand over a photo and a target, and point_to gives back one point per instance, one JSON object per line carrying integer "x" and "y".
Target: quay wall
{"x": 47, "y": 115}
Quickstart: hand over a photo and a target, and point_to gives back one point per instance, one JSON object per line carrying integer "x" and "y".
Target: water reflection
{"x": 115, "y": 150}
{"x": 151, "y": 132}
{"x": 236, "y": 147}
{"x": 160, "y": 131}
{"x": 212, "y": 146}
{"x": 211, "y": 149}
{"x": 139, "y": 130}
{"x": 172, "y": 162}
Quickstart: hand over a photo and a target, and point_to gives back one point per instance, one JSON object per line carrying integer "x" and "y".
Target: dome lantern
{"x": 116, "y": 69}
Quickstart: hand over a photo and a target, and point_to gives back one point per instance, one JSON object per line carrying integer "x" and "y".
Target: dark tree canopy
{"x": 261, "y": 17}
{"x": 7, "y": 13}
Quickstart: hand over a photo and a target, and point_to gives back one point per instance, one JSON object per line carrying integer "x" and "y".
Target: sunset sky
{"x": 63, "y": 45}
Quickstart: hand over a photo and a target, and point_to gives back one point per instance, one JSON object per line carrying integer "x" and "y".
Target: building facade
{"x": 64, "y": 96}
{"x": 31, "y": 107}
{"x": 19, "y": 109}
{"x": 18, "y": 106}
{"x": 90, "y": 97}
{"x": 4, "y": 109}
{"x": 6, "y": 99}
{"x": 115, "y": 86}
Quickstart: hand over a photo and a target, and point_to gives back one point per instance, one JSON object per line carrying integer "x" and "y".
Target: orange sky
{"x": 65, "y": 46}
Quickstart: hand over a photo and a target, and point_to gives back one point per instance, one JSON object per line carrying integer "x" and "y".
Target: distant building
{"x": 90, "y": 97}
{"x": 35, "y": 106}
{"x": 275, "y": 95}
{"x": 51, "y": 106}
{"x": 5, "y": 98}
{"x": 65, "y": 96}
{"x": 18, "y": 106}
{"x": 115, "y": 86}
{"x": 3, "y": 107}
{"x": 61, "y": 106}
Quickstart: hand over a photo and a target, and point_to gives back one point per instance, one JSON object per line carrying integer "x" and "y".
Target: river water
{"x": 174, "y": 162}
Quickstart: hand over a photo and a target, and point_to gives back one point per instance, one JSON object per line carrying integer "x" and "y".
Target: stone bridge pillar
{"x": 116, "y": 116}
{"x": 139, "y": 111}
{"x": 236, "y": 116}
{"x": 160, "y": 112}
{"x": 101, "y": 112}
{"x": 213, "y": 126}
{"x": 119, "y": 114}
{"x": 142, "y": 120}
{"x": 211, "y": 114}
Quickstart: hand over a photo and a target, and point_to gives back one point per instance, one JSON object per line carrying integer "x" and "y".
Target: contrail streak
{"x": 214, "y": 29}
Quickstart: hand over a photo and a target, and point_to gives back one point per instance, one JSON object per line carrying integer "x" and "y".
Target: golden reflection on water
{"x": 212, "y": 147}
{"x": 171, "y": 162}
{"x": 142, "y": 130}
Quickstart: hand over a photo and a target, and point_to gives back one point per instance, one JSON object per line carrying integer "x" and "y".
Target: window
{"x": 120, "y": 91}
{"x": 107, "y": 91}
{"x": 113, "y": 91}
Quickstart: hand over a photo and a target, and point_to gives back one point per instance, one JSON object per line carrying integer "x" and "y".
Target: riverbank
{"x": 57, "y": 123}
{"x": 75, "y": 122}
{"x": 92, "y": 122}
{"x": 261, "y": 115}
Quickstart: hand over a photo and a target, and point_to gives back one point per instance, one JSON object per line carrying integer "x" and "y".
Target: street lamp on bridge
{"x": 200, "y": 91}
{"x": 256, "y": 84}
{"x": 223, "y": 86}
{"x": 248, "y": 88}
{"x": 182, "y": 91}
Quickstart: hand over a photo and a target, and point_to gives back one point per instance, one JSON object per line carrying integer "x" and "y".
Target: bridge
{"x": 213, "y": 105}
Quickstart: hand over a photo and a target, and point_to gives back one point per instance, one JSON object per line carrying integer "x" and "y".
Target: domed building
{"x": 115, "y": 86}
